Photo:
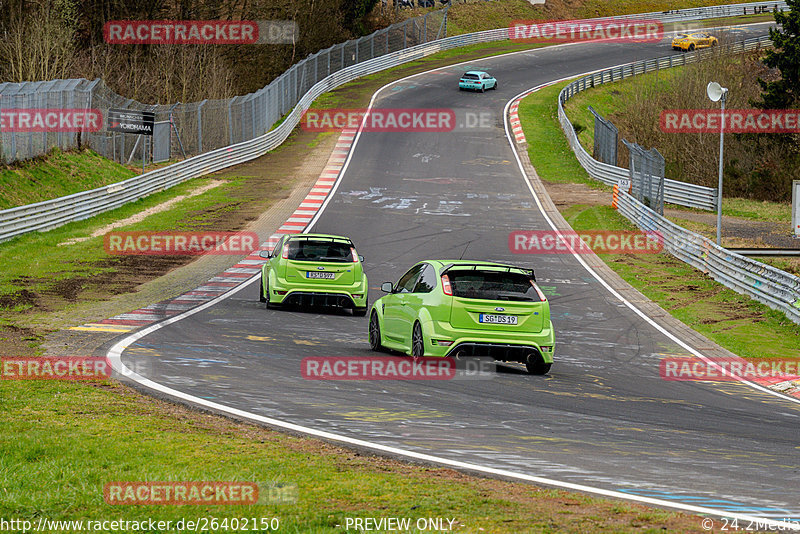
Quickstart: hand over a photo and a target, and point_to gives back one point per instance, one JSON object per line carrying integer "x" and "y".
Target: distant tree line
{"x": 49, "y": 39}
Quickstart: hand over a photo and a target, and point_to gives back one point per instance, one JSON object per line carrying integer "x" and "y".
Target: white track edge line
{"x": 114, "y": 356}
{"x": 611, "y": 290}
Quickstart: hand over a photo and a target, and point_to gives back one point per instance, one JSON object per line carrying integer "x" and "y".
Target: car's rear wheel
{"x": 261, "y": 296}
{"x": 483, "y": 89}
{"x": 361, "y": 312}
{"x": 535, "y": 364}
{"x": 270, "y": 306}
{"x": 691, "y": 48}
{"x": 417, "y": 342}
{"x": 375, "y": 332}
{"x": 713, "y": 43}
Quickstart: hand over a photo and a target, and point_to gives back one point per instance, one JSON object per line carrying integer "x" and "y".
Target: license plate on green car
{"x": 317, "y": 274}
{"x": 497, "y": 319}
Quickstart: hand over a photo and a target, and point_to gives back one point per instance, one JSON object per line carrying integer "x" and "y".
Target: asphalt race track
{"x": 602, "y": 417}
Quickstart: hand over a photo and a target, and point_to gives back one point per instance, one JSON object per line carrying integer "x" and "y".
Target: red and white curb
{"x": 246, "y": 268}
{"x": 513, "y": 114}
{"x": 513, "y": 120}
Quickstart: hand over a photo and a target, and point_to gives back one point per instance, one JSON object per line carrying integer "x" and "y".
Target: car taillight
{"x": 285, "y": 251}
{"x": 446, "y": 287}
{"x": 539, "y": 291}
{"x": 355, "y": 256}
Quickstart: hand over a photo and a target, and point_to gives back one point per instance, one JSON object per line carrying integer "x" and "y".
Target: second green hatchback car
{"x": 315, "y": 270}
{"x": 464, "y": 308}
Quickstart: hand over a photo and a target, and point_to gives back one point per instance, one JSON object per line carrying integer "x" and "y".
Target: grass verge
{"x": 57, "y": 174}
{"x": 610, "y": 99}
{"x": 735, "y": 322}
{"x": 64, "y": 442}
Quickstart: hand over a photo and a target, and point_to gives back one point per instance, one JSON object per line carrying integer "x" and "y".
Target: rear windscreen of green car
{"x": 471, "y": 77}
{"x": 310, "y": 250}
{"x": 492, "y": 285}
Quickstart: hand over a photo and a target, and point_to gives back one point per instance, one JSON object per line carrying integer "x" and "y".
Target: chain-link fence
{"x": 199, "y": 127}
{"x": 606, "y": 137}
{"x": 647, "y": 176}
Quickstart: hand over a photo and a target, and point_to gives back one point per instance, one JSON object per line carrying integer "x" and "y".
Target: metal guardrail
{"x": 777, "y": 289}
{"x": 675, "y": 192}
{"x": 52, "y": 213}
{"x": 709, "y": 12}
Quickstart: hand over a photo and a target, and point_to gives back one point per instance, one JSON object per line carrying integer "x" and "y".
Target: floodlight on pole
{"x": 717, "y": 93}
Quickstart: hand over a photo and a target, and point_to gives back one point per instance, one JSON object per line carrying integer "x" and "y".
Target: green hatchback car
{"x": 314, "y": 270}
{"x": 464, "y": 308}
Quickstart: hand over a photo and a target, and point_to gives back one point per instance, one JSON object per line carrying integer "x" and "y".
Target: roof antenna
{"x": 465, "y": 250}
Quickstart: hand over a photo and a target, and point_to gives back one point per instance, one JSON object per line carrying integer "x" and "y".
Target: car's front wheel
{"x": 375, "y": 332}
{"x": 417, "y": 342}
{"x": 691, "y": 48}
{"x": 261, "y": 296}
{"x": 495, "y": 86}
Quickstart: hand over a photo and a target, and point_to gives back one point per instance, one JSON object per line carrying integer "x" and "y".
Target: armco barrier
{"x": 59, "y": 211}
{"x": 777, "y": 289}
{"x": 675, "y": 192}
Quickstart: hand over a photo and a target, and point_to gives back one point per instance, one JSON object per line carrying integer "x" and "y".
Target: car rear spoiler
{"x": 317, "y": 238}
{"x": 508, "y": 268}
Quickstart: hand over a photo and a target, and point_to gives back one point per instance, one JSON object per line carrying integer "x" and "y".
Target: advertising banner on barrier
{"x": 130, "y": 121}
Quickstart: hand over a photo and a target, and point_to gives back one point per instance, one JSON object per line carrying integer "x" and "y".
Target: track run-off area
{"x": 602, "y": 421}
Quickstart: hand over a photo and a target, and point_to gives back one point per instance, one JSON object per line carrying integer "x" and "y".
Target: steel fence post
{"x": 230, "y": 121}
{"x": 200, "y": 126}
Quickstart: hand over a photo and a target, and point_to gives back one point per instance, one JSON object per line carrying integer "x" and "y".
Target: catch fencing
{"x": 777, "y": 289}
{"x": 647, "y": 176}
{"x": 675, "y": 192}
{"x": 273, "y": 101}
{"x": 201, "y": 126}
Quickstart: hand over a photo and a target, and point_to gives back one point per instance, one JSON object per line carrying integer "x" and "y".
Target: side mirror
{"x": 361, "y": 259}
{"x": 387, "y": 287}
{"x": 265, "y": 254}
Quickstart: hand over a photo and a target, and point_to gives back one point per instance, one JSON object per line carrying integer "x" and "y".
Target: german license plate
{"x": 497, "y": 319}
{"x": 318, "y": 274}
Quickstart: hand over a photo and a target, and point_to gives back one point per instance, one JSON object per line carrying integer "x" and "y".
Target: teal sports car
{"x": 463, "y": 308}
{"x": 477, "y": 80}
{"x": 314, "y": 270}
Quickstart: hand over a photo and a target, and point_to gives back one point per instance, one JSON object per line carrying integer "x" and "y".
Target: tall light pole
{"x": 718, "y": 93}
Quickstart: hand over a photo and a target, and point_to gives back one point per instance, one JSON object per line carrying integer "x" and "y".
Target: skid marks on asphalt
{"x": 381, "y": 415}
